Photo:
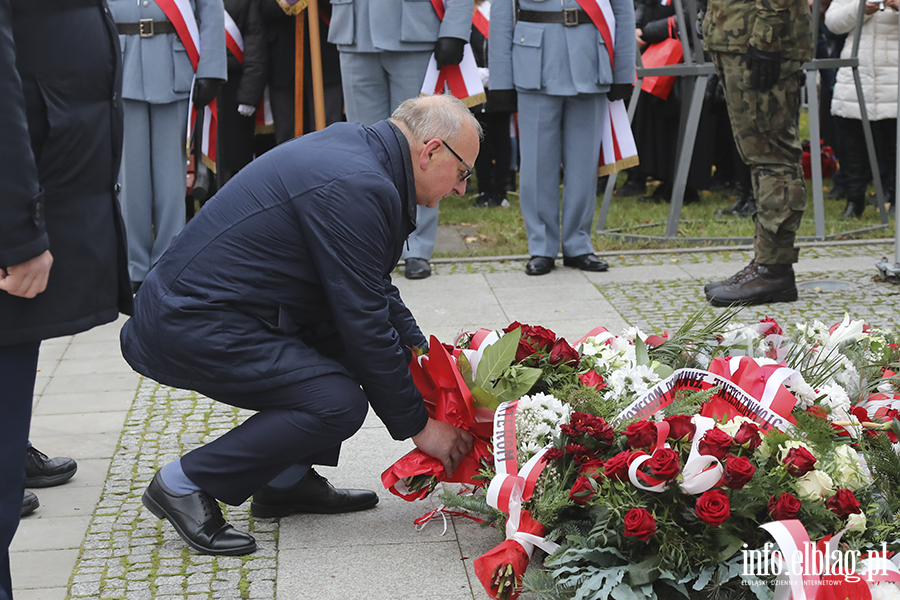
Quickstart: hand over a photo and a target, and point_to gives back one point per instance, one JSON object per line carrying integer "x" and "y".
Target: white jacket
{"x": 878, "y": 48}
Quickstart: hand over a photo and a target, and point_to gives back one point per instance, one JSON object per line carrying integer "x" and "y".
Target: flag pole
{"x": 315, "y": 56}
{"x": 299, "y": 41}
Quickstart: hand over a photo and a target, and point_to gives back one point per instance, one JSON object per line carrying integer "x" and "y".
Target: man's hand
{"x": 448, "y": 51}
{"x": 764, "y": 68}
{"x": 205, "y": 90}
{"x": 28, "y": 279}
{"x": 619, "y": 91}
{"x": 444, "y": 442}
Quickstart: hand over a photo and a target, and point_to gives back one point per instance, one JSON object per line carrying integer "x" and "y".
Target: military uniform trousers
{"x": 298, "y": 424}
{"x": 766, "y": 131}
{"x": 554, "y": 131}
{"x": 154, "y": 180}
{"x": 375, "y": 83}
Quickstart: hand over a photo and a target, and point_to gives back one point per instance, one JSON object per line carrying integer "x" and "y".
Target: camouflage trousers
{"x": 766, "y": 132}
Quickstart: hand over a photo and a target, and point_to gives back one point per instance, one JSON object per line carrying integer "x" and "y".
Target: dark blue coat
{"x": 285, "y": 275}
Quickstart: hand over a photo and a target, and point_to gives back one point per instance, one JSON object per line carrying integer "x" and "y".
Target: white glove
{"x": 246, "y": 110}
{"x": 483, "y": 73}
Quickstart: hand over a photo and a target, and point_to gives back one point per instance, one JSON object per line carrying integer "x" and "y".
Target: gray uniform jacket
{"x": 396, "y": 25}
{"x": 554, "y": 59}
{"x": 157, "y": 69}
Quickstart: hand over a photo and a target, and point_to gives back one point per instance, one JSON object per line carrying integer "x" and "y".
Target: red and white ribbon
{"x": 462, "y": 80}
{"x": 481, "y": 18}
{"x": 617, "y": 150}
{"x": 701, "y": 472}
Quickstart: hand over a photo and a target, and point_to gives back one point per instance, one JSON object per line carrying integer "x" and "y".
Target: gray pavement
{"x": 91, "y": 538}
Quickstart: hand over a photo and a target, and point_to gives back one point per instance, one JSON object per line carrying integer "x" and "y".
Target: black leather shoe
{"x": 417, "y": 268}
{"x": 759, "y": 284}
{"x": 42, "y": 471}
{"x": 197, "y": 517}
{"x": 312, "y": 494}
{"x": 539, "y": 265}
{"x": 30, "y": 503}
{"x": 586, "y": 262}
{"x": 855, "y": 208}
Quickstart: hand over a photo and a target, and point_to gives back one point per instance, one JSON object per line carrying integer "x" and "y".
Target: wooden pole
{"x": 299, "y": 42}
{"x": 315, "y": 55}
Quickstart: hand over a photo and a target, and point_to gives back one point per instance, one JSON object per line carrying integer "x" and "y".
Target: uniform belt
{"x": 145, "y": 28}
{"x": 568, "y": 17}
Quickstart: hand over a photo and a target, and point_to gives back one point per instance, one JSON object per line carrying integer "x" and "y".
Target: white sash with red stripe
{"x": 617, "y": 149}
{"x": 462, "y": 80}
{"x": 234, "y": 41}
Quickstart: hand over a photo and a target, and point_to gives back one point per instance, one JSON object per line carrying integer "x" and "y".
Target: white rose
{"x": 732, "y": 426}
{"x": 815, "y": 486}
{"x": 848, "y": 469}
{"x": 857, "y": 522}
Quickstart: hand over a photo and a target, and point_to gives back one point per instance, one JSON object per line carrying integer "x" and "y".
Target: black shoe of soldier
{"x": 197, "y": 517}
{"x": 30, "y": 503}
{"x": 42, "y": 471}
{"x": 312, "y": 494}
{"x": 416, "y": 268}
{"x": 757, "y": 284}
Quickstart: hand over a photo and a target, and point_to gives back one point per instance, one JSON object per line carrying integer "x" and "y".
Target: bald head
{"x": 442, "y": 116}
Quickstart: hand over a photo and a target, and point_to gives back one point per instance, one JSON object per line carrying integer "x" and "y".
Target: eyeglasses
{"x": 468, "y": 172}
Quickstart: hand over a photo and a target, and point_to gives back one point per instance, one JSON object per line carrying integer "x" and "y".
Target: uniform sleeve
{"x": 457, "y": 22}
{"x": 213, "y": 58}
{"x": 347, "y": 227}
{"x": 22, "y": 232}
{"x": 626, "y": 44}
{"x": 500, "y": 46}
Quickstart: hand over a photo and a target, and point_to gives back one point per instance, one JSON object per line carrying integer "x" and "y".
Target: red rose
{"x": 592, "y": 468}
{"x": 786, "y": 506}
{"x": 843, "y": 503}
{"x": 768, "y": 326}
{"x": 799, "y": 461}
{"x": 748, "y": 436}
{"x": 680, "y": 428}
{"x": 715, "y": 442}
{"x": 617, "y": 466}
{"x": 713, "y": 507}
{"x": 665, "y": 464}
{"x": 639, "y": 524}
{"x": 562, "y": 352}
{"x": 641, "y": 434}
{"x": 537, "y": 336}
{"x": 583, "y": 490}
{"x": 592, "y": 425}
{"x": 524, "y": 350}
{"x": 592, "y": 379}
{"x": 738, "y": 472}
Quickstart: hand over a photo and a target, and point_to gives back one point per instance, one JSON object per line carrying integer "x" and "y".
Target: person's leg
{"x": 168, "y": 131}
{"x": 582, "y": 134}
{"x": 497, "y": 137}
{"x": 855, "y": 166}
{"x": 281, "y": 99}
{"x": 136, "y": 197}
{"x": 367, "y": 97}
{"x": 18, "y": 367}
{"x": 540, "y": 152}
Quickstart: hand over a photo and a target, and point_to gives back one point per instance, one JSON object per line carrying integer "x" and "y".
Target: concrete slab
{"x": 93, "y": 382}
{"x": 83, "y": 402}
{"x": 74, "y": 364}
{"x": 59, "y": 593}
{"x": 52, "y": 533}
{"x": 42, "y": 568}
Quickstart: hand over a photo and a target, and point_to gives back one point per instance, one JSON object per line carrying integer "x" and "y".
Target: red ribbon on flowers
{"x": 515, "y": 552}
{"x": 764, "y": 383}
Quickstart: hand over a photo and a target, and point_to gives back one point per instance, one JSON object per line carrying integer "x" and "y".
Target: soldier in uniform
{"x": 157, "y": 81}
{"x": 758, "y": 49}
{"x": 385, "y": 46}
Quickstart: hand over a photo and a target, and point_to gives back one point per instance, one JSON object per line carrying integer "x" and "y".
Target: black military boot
{"x": 855, "y": 207}
{"x": 758, "y": 284}
{"x": 740, "y": 207}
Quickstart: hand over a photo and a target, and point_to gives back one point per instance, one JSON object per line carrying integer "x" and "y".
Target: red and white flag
{"x": 617, "y": 149}
{"x": 462, "y": 80}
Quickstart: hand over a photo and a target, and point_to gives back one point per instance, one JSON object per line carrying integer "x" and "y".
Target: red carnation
{"x": 592, "y": 379}
{"x": 786, "y": 506}
{"x": 768, "y": 326}
{"x": 580, "y": 453}
{"x": 843, "y": 503}
{"x": 562, "y": 352}
{"x": 713, "y": 507}
{"x": 799, "y": 461}
{"x": 583, "y": 490}
{"x": 748, "y": 436}
{"x": 592, "y": 425}
{"x": 641, "y": 434}
{"x": 738, "y": 472}
{"x": 639, "y": 524}
{"x": 665, "y": 464}
{"x": 680, "y": 428}
{"x": 553, "y": 454}
{"x": 715, "y": 442}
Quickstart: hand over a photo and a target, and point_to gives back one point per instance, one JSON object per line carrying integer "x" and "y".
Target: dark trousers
{"x": 18, "y": 367}
{"x": 492, "y": 164}
{"x": 303, "y": 423}
{"x": 235, "y": 132}
{"x": 855, "y": 157}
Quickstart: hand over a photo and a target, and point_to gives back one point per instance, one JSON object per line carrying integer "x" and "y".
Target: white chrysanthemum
{"x": 884, "y": 590}
{"x": 815, "y": 332}
{"x": 837, "y": 400}
{"x": 589, "y": 348}
{"x": 538, "y": 417}
{"x": 805, "y": 394}
{"x": 635, "y": 380}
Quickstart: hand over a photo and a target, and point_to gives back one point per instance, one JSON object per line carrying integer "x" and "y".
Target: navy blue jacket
{"x": 285, "y": 275}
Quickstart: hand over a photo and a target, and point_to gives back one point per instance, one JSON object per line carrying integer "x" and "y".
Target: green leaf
{"x": 644, "y": 572}
{"x": 495, "y": 358}
{"x": 518, "y": 383}
{"x": 465, "y": 369}
{"x": 663, "y": 370}
{"x": 483, "y": 398}
{"x": 641, "y": 356}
